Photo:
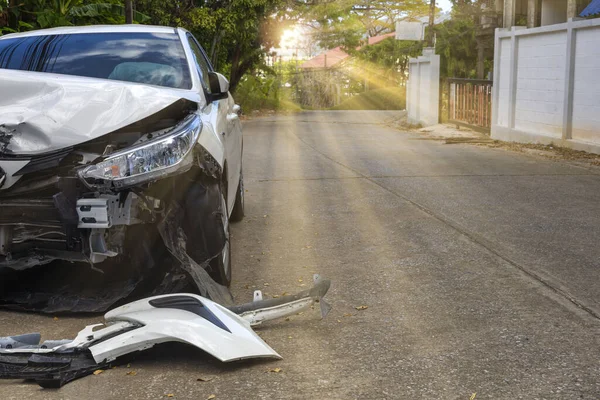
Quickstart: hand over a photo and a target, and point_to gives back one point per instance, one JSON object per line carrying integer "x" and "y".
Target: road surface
{"x": 479, "y": 269}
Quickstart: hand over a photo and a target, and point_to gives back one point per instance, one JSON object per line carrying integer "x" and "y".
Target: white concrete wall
{"x": 547, "y": 85}
{"x": 554, "y": 12}
{"x": 541, "y": 83}
{"x": 423, "y": 89}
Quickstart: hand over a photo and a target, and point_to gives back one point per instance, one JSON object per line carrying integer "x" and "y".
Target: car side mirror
{"x": 219, "y": 85}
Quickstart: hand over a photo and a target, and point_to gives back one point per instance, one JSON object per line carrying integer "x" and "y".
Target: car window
{"x": 201, "y": 62}
{"x": 142, "y": 57}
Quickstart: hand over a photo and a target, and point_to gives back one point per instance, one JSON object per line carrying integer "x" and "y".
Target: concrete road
{"x": 479, "y": 268}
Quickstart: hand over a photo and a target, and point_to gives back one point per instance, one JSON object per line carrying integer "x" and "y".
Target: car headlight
{"x": 150, "y": 160}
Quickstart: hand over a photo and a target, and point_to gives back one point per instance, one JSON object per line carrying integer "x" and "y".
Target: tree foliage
{"x": 457, "y": 40}
{"x": 346, "y": 22}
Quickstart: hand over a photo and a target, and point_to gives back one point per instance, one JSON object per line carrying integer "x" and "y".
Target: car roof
{"x": 93, "y": 29}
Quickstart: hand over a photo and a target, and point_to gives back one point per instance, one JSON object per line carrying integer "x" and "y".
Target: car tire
{"x": 238, "y": 208}
{"x": 221, "y": 265}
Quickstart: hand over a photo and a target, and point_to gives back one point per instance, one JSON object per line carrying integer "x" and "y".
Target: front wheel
{"x": 221, "y": 264}
{"x": 237, "y": 214}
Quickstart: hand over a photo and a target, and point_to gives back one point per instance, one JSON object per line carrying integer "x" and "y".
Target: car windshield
{"x": 142, "y": 57}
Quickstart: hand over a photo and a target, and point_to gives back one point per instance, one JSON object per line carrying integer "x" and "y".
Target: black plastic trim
{"x": 191, "y": 304}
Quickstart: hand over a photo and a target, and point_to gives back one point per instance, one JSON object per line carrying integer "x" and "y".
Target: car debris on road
{"x": 223, "y": 332}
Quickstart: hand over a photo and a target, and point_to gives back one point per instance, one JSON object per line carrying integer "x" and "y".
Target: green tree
{"x": 345, "y": 22}
{"x": 235, "y": 33}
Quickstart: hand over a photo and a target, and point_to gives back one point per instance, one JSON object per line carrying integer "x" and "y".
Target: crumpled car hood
{"x": 41, "y": 112}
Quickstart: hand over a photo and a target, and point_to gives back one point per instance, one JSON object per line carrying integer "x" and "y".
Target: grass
{"x": 378, "y": 99}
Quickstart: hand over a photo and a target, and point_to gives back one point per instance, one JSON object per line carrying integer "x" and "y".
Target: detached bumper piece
{"x": 49, "y": 371}
{"x": 225, "y": 333}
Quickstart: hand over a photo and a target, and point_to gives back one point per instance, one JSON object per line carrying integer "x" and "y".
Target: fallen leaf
{"x": 128, "y": 365}
{"x": 300, "y": 280}
{"x": 132, "y": 373}
{"x": 347, "y": 315}
{"x": 284, "y": 293}
{"x": 339, "y": 321}
{"x": 266, "y": 284}
{"x": 265, "y": 216}
{"x": 212, "y": 396}
{"x": 287, "y": 319}
{"x": 473, "y": 396}
{"x": 205, "y": 378}
{"x": 276, "y": 370}
{"x": 55, "y": 318}
{"x": 290, "y": 337}
{"x": 275, "y": 296}
{"x": 98, "y": 371}
{"x": 170, "y": 395}
{"x": 359, "y": 308}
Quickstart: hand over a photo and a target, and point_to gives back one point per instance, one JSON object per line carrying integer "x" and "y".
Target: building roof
{"x": 377, "y": 39}
{"x": 327, "y": 59}
{"x": 592, "y": 9}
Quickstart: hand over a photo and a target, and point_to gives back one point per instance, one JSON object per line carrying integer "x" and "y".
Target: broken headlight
{"x": 149, "y": 160}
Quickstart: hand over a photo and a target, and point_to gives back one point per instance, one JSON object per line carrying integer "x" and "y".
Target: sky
{"x": 444, "y": 4}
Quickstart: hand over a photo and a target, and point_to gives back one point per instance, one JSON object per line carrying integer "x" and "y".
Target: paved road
{"x": 479, "y": 268}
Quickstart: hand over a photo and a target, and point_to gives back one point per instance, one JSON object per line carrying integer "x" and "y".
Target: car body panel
{"x": 42, "y": 112}
{"x": 235, "y": 340}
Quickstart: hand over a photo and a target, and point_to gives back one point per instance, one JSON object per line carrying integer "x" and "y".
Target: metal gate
{"x": 470, "y": 103}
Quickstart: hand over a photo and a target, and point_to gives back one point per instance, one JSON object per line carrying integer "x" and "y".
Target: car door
{"x": 225, "y": 120}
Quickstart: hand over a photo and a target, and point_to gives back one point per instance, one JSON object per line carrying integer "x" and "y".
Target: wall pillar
{"x": 509, "y": 13}
{"x": 534, "y": 13}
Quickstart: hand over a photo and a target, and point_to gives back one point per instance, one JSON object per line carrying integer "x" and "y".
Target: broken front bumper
{"x": 224, "y": 333}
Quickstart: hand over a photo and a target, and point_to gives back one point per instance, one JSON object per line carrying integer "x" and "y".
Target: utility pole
{"x": 129, "y": 11}
{"x": 430, "y": 36}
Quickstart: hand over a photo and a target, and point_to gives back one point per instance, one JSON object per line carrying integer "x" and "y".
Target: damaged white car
{"x": 120, "y": 167}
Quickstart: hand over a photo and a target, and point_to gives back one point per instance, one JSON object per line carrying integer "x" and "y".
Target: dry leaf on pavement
{"x": 132, "y": 373}
{"x": 276, "y": 370}
{"x": 98, "y": 371}
{"x": 212, "y": 396}
{"x": 205, "y": 378}
{"x": 360, "y": 308}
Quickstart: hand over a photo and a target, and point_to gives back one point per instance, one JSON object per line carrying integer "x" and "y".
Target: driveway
{"x": 478, "y": 268}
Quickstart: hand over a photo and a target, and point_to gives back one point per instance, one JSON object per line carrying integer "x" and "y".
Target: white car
{"x": 116, "y": 143}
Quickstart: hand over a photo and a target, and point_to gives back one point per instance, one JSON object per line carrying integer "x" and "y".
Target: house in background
{"x": 535, "y": 13}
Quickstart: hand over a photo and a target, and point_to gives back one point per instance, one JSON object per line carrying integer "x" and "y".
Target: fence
{"x": 546, "y": 85}
{"x": 470, "y": 103}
